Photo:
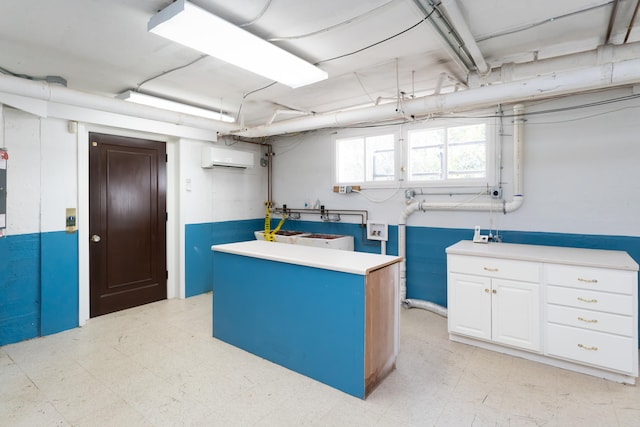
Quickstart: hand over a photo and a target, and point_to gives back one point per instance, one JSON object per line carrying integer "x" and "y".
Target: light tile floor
{"x": 158, "y": 365}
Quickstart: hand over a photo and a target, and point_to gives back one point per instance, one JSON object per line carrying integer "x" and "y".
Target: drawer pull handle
{"x": 587, "y": 347}
{"x": 490, "y": 269}
{"x": 587, "y": 320}
{"x": 580, "y": 279}
{"x": 587, "y": 300}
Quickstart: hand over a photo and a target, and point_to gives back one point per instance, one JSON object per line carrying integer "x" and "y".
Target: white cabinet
{"x": 502, "y": 310}
{"x": 572, "y": 308}
{"x": 590, "y": 316}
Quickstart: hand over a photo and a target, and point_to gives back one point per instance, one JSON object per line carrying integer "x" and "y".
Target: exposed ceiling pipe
{"x": 462, "y": 28}
{"x": 447, "y": 35}
{"x": 616, "y": 66}
{"x": 633, "y": 18}
{"x": 438, "y": 87}
{"x": 591, "y": 78}
{"x": 58, "y": 94}
{"x": 612, "y": 19}
{"x": 287, "y": 112}
{"x": 599, "y": 56}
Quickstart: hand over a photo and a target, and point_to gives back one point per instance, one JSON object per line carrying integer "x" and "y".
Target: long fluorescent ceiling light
{"x": 166, "y": 104}
{"x": 194, "y": 27}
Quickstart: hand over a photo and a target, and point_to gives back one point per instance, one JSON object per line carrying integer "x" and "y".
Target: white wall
{"x": 48, "y": 172}
{"x": 22, "y": 139}
{"x": 580, "y": 173}
{"x": 58, "y": 161}
{"x": 219, "y": 194}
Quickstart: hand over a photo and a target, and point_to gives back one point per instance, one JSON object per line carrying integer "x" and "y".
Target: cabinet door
{"x": 469, "y": 305}
{"x": 516, "y": 313}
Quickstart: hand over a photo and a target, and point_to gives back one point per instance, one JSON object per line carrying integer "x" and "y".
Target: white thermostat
{"x": 377, "y": 230}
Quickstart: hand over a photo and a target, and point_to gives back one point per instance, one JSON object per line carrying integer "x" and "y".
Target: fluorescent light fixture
{"x": 194, "y": 27}
{"x": 141, "y": 98}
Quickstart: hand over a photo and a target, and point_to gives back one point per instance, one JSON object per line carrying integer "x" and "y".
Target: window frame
{"x": 368, "y": 133}
{"x": 490, "y": 150}
{"x": 402, "y": 154}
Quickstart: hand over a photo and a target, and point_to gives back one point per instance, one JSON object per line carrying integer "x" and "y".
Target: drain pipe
{"x": 515, "y": 203}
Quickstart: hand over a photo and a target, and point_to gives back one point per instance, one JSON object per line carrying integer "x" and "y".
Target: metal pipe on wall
{"x": 515, "y": 203}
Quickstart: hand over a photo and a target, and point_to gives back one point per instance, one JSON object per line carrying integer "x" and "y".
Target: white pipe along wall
{"x": 515, "y": 203}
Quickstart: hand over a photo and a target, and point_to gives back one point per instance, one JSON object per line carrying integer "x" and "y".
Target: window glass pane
{"x": 350, "y": 159}
{"x": 466, "y": 152}
{"x": 426, "y": 154}
{"x": 380, "y": 158}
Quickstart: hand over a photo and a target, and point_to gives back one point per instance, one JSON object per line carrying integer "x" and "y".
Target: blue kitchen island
{"x": 328, "y": 314}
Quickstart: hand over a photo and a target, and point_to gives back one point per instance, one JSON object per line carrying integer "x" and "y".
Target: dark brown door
{"x": 127, "y": 222}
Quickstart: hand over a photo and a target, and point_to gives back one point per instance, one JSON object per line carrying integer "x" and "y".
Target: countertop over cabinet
{"x": 572, "y": 308}
{"x": 329, "y": 314}
{"x": 327, "y": 259}
{"x": 618, "y": 260}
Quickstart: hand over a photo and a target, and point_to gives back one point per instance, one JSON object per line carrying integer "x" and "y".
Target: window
{"x": 448, "y": 153}
{"x": 365, "y": 159}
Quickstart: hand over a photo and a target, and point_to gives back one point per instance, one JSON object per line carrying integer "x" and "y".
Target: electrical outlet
{"x": 496, "y": 192}
{"x": 342, "y": 189}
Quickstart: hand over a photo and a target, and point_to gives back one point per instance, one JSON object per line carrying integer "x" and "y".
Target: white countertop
{"x": 548, "y": 254}
{"x": 328, "y": 259}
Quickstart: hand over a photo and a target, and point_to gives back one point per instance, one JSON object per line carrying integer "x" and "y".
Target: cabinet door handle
{"x": 582, "y": 319}
{"x": 587, "y": 300}
{"x": 580, "y": 279}
{"x": 490, "y": 269}
{"x": 486, "y": 290}
{"x": 585, "y": 347}
{"x": 494, "y": 291}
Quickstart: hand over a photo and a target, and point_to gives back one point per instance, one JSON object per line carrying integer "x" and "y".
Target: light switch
{"x": 71, "y": 220}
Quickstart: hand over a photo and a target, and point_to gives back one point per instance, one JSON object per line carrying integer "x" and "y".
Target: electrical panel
{"x": 4, "y": 157}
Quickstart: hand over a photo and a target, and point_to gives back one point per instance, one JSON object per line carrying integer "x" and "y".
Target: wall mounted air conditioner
{"x": 218, "y": 156}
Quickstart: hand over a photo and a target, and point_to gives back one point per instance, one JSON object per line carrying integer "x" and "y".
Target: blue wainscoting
{"x": 307, "y": 319}
{"x": 59, "y": 285}
{"x": 19, "y": 288}
{"x": 426, "y": 257}
{"x": 197, "y": 251}
{"x": 38, "y": 285}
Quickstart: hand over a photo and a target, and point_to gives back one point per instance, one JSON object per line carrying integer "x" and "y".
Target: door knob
{"x": 95, "y": 238}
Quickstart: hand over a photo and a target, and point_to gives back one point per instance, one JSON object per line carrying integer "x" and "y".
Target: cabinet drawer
{"x": 593, "y": 320}
{"x": 494, "y": 267}
{"x": 595, "y": 348}
{"x": 590, "y": 300}
{"x": 596, "y": 279}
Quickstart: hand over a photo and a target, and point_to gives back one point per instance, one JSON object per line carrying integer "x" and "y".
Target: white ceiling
{"x": 103, "y": 47}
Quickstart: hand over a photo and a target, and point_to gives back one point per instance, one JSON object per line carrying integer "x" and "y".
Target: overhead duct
{"x": 610, "y": 74}
{"x": 460, "y": 24}
{"x": 44, "y": 91}
{"x": 619, "y": 66}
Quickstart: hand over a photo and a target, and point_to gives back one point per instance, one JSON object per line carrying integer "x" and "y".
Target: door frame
{"x": 174, "y": 284}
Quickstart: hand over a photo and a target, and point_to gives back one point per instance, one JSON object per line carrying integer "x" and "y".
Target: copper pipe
{"x": 633, "y": 18}
{"x": 612, "y": 18}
